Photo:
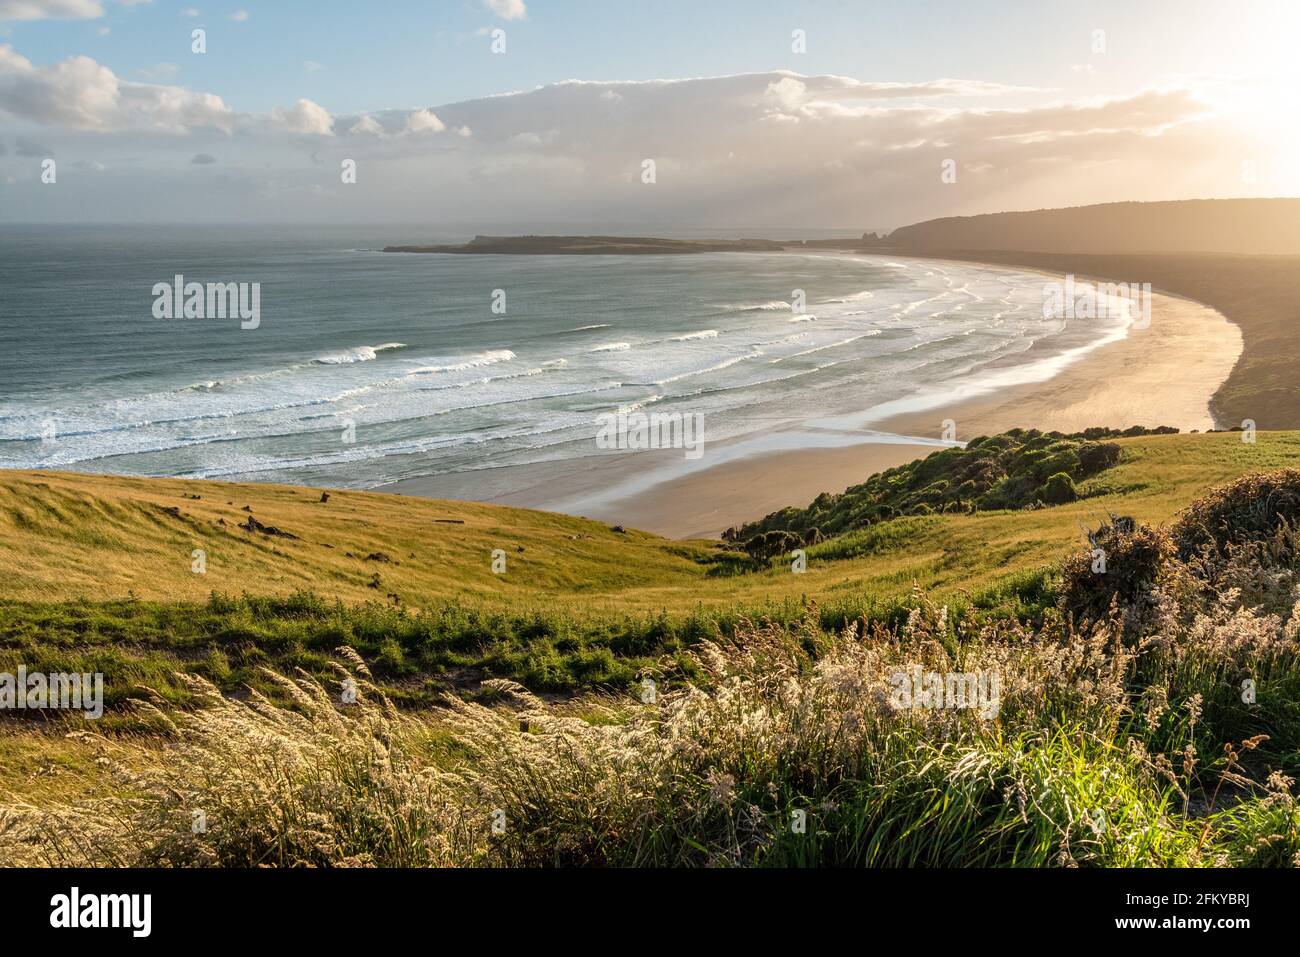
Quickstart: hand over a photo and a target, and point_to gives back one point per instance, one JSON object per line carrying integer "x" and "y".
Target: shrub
{"x": 1096, "y": 457}
{"x": 1254, "y": 508}
{"x": 768, "y": 545}
{"x": 1059, "y": 489}
{"x": 1123, "y": 566}
{"x": 991, "y": 472}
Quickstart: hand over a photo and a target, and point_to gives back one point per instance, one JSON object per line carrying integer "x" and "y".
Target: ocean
{"x": 368, "y": 367}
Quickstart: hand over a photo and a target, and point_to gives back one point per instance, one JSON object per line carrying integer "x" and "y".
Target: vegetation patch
{"x": 1022, "y": 468}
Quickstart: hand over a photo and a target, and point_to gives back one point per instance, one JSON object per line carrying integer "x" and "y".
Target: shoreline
{"x": 1164, "y": 374}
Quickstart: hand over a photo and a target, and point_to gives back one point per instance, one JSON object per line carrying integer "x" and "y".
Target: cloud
{"x": 203, "y": 159}
{"x": 311, "y": 66}
{"x": 81, "y": 94}
{"x": 751, "y": 149}
{"x": 50, "y": 9}
{"x": 507, "y": 9}
{"x": 239, "y": 16}
{"x": 366, "y": 125}
{"x": 304, "y": 117}
{"x": 424, "y": 121}
{"x": 787, "y": 92}
{"x": 773, "y": 147}
{"x": 190, "y": 12}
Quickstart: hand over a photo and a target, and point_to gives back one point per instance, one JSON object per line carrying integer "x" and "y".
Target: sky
{"x": 753, "y": 113}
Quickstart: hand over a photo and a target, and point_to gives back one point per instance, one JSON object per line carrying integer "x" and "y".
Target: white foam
{"x": 829, "y": 345}
{"x": 359, "y": 354}
{"x": 692, "y": 336}
{"x": 773, "y": 306}
{"x": 473, "y": 362}
{"x": 713, "y": 368}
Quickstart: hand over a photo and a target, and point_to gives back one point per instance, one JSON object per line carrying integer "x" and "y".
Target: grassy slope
{"x": 70, "y": 537}
{"x": 74, "y": 537}
{"x": 65, "y": 536}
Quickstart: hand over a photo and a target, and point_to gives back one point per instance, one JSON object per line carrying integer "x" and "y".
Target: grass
{"x": 769, "y": 685}
{"x": 67, "y": 537}
{"x": 786, "y": 752}
{"x": 582, "y": 607}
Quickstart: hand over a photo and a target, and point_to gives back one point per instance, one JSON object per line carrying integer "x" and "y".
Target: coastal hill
{"x": 1229, "y": 226}
{"x": 1238, "y": 226}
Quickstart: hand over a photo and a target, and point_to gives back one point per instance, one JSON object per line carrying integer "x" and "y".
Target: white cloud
{"x": 50, "y": 9}
{"x": 304, "y": 117}
{"x": 190, "y": 12}
{"x": 424, "y": 121}
{"x": 81, "y": 94}
{"x": 507, "y": 9}
{"x": 761, "y": 149}
{"x": 366, "y": 125}
{"x": 239, "y": 16}
{"x": 787, "y": 91}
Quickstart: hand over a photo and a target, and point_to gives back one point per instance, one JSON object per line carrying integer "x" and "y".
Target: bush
{"x": 1123, "y": 566}
{"x": 1059, "y": 489}
{"x": 992, "y": 472}
{"x": 1096, "y": 457}
{"x": 1254, "y": 508}
{"x": 768, "y": 545}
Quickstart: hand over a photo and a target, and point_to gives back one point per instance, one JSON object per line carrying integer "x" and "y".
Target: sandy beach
{"x": 1163, "y": 374}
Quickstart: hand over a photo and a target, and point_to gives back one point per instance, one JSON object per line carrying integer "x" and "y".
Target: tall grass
{"x": 1169, "y": 738}
{"x": 1099, "y": 756}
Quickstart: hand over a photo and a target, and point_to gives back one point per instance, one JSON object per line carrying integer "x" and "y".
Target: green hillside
{"x": 99, "y": 571}
{"x": 525, "y": 690}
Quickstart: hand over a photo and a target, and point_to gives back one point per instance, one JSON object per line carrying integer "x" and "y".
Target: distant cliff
{"x": 1246, "y": 226}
